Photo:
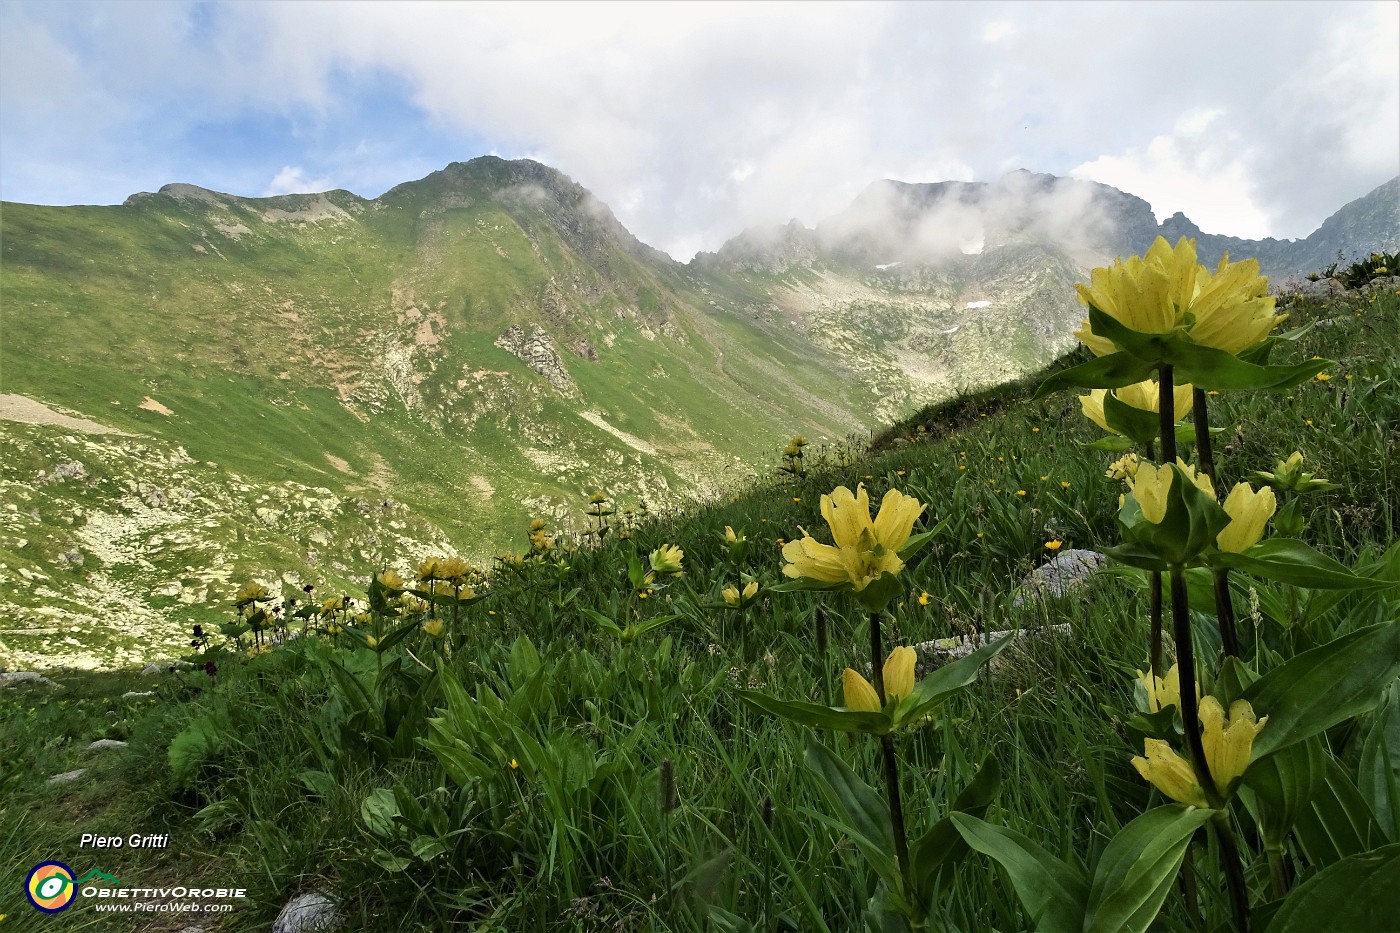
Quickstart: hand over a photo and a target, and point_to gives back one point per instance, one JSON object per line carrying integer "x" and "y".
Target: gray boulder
{"x": 308, "y": 913}
{"x": 1055, "y": 577}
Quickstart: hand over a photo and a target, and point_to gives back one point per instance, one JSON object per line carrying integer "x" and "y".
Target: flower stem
{"x": 1278, "y": 874}
{"x": 1154, "y": 584}
{"x": 891, "y": 761}
{"x": 1224, "y": 608}
{"x": 1234, "y": 870}
{"x": 1186, "y": 666}
{"x": 1166, "y": 407}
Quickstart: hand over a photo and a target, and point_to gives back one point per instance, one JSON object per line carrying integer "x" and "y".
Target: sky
{"x": 694, "y": 121}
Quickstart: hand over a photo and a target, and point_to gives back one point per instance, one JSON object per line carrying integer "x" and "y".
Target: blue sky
{"x": 694, "y": 121}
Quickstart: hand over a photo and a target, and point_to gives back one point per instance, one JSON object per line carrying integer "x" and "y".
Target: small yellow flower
{"x": 731, "y": 537}
{"x": 1248, "y": 511}
{"x": 1322, "y": 377}
{"x": 433, "y": 627}
{"x": 796, "y": 498}
{"x": 514, "y": 764}
{"x": 371, "y": 641}
{"x": 1020, "y": 492}
{"x": 1064, "y": 484}
{"x": 536, "y": 525}
{"x": 923, "y": 599}
{"x": 1054, "y": 545}
{"x": 428, "y": 570}
{"x": 1035, "y": 430}
{"x": 598, "y": 497}
{"x": 1167, "y": 771}
{"x": 390, "y": 580}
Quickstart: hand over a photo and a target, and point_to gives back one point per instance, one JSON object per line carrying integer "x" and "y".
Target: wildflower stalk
{"x": 668, "y": 803}
{"x": 1186, "y": 664}
{"x": 1190, "y": 716}
{"x": 891, "y": 761}
{"x": 1224, "y": 608}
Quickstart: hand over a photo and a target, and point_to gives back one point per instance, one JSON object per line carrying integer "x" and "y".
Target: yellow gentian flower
{"x": 1167, "y": 771}
{"x": 1249, "y": 511}
{"x": 1124, "y": 468}
{"x": 864, "y": 549}
{"x": 667, "y": 559}
{"x": 252, "y": 592}
{"x": 1228, "y": 742}
{"x": 1231, "y": 310}
{"x": 860, "y": 696}
{"x": 390, "y": 580}
{"x": 1163, "y": 691}
{"x": 1150, "y": 486}
{"x": 433, "y": 627}
{"x": 898, "y": 673}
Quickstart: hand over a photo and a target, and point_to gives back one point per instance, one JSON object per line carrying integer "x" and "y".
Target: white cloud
{"x": 1200, "y": 168}
{"x": 292, "y": 180}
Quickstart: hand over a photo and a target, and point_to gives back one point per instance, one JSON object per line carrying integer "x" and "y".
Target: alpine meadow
{"x": 988, "y": 557}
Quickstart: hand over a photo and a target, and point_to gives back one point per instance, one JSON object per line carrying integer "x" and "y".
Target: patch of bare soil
{"x": 27, "y": 410}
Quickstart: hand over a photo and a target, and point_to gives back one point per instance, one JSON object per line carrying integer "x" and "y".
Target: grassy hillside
{"x": 528, "y": 770}
{"x": 477, "y": 347}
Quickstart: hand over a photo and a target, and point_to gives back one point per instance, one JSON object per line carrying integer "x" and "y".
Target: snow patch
{"x": 886, "y": 265}
{"x": 974, "y": 305}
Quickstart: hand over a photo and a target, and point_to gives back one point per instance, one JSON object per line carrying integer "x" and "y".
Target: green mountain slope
{"x": 479, "y": 347}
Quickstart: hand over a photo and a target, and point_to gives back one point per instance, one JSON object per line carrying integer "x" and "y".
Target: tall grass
{"x": 508, "y": 776}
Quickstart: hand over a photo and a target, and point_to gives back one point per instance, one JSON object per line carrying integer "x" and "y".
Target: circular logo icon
{"x": 50, "y": 887}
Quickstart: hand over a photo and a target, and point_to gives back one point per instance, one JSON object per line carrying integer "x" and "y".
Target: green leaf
{"x": 1336, "y": 823}
{"x": 1289, "y": 560}
{"x": 1113, "y": 443}
{"x": 1053, "y": 893}
{"x": 1209, "y": 368}
{"x": 1284, "y": 784}
{"x": 813, "y": 714}
{"x": 916, "y": 543}
{"x": 933, "y": 855}
{"x": 1105, "y": 372}
{"x": 1360, "y": 892}
{"x": 1322, "y": 687}
{"x": 602, "y": 621}
{"x": 379, "y": 810}
{"x": 946, "y": 681}
{"x": 1136, "y": 871}
{"x": 319, "y": 783}
{"x": 426, "y": 848}
{"x": 867, "y": 818}
{"x": 1137, "y": 555}
{"x": 805, "y": 585}
{"x": 1379, "y": 776}
{"x": 1142, "y": 426}
{"x": 396, "y": 636}
{"x": 389, "y": 861}
{"x": 524, "y": 661}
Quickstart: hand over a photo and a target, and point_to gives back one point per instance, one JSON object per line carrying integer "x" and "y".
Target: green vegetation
{"x": 570, "y": 751}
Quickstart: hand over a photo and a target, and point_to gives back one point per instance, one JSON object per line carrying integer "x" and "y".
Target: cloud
{"x": 693, "y": 120}
{"x": 1201, "y": 168}
{"x": 293, "y": 180}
